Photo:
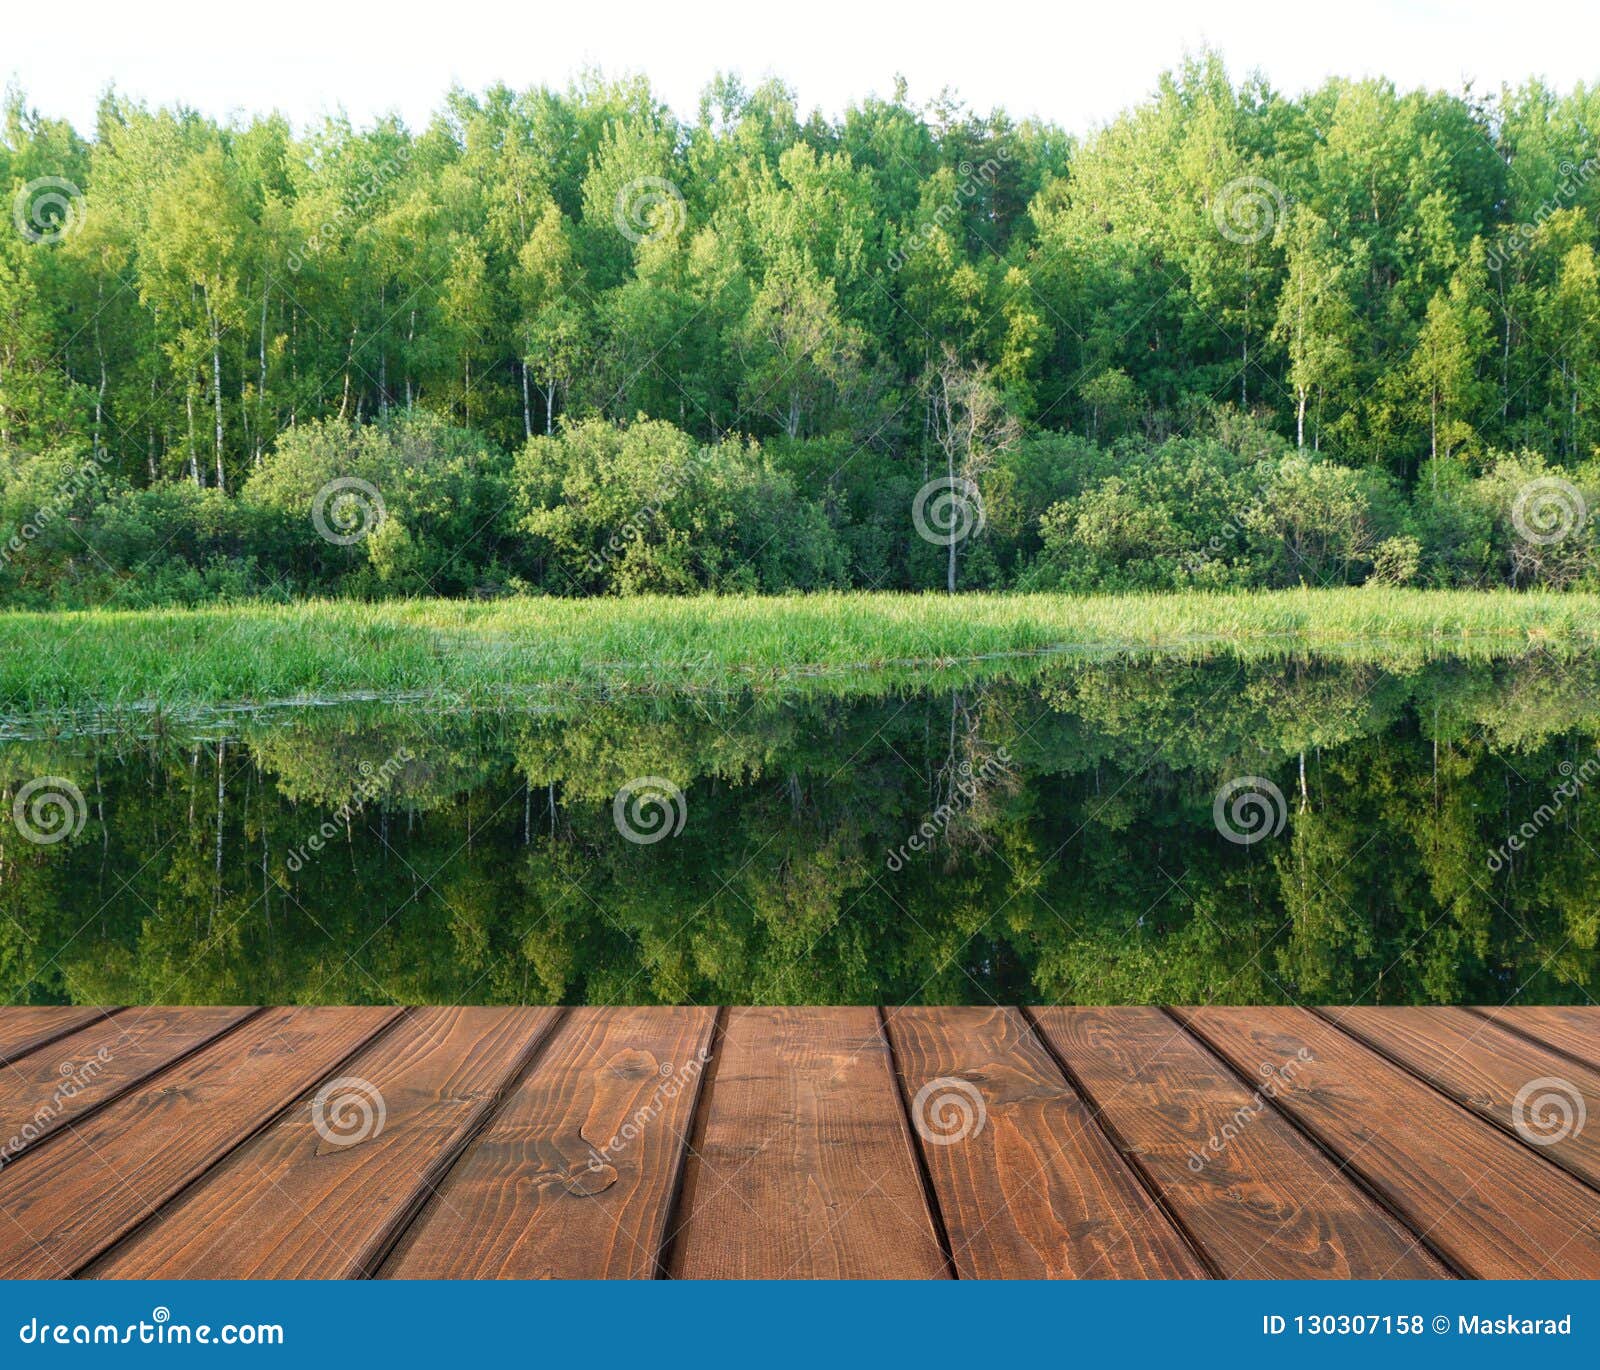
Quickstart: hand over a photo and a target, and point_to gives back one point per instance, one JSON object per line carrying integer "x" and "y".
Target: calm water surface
{"x": 1130, "y": 830}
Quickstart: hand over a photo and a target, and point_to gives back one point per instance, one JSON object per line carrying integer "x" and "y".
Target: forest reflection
{"x": 1043, "y": 840}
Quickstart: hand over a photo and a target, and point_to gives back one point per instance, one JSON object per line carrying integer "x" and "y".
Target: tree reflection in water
{"x": 1055, "y": 839}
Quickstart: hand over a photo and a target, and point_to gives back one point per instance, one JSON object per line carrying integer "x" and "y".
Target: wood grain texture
{"x": 322, "y": 1192}
{"x": 1259, "y": 1200}
{"x": 1531, "y": 1091}
{"x": 574, "y": 1177}
{"x": 599, "y": 1143}
{"x": 1034, "y": 1190}
{"x": 1575, "y": 1031}
{"x": 1490, "y": 1204}
{"x": 48, "y": 1089}
{"x": 27, "y": 1029}
{"x": 806, "y": 1167}
{"x": 62, "y": 1205}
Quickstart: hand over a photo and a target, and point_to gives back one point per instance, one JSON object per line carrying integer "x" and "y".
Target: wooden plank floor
{"x": 800, "y": 1143}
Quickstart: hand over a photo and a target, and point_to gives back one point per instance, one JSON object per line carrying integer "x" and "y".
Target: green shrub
{"x": 425, "y": 518}
{"x": 643, "y": 507}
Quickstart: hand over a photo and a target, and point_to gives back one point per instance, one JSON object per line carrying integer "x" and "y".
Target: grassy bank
{"x": 178, "y": 659}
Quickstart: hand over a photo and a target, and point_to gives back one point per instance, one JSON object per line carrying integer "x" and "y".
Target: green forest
{"x": 567, "y": 342}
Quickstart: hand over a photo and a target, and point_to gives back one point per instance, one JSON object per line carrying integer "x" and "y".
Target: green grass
{"x": 180, "y": 660}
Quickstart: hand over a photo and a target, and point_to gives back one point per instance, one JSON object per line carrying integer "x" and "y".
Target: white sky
{"x": 1077, "y": 64}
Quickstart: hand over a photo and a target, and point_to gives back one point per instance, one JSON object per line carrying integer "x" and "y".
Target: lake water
{"x": 1121, "y": 830}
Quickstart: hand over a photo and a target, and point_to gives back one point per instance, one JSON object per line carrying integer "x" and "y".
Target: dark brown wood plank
{"x": 322, "y": 1192}
{"x": 1257, "y": 1198}
{"x": 1028, "y": 1185}
{"x": 46, "y": 1090}
{"x": 1574, "y": 1030}
{"x": 574, "y": 1176}
{"x": 1535, "y": 1093}
{"x": 63, "y": 1204}
{"x": 1495, "y": 1208}
{"x": 806, "y": 1168}
{"x": 27, "y": 1029}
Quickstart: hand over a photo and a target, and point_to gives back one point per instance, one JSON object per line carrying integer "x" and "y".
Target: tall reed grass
{"x": 248, "y": 653}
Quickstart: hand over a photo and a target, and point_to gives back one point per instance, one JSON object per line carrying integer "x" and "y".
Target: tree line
{"x": 570, "y": 342}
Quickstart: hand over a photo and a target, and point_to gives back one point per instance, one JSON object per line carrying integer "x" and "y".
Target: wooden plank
{"x": 65, "y": 1203}
{"x": 77, "y": 1073}
{"x": 1259, "y": 1200}
{"x": 1495, "y": 1208}
{"x": 1575, "y": 1030}
{"x": 322, "y": 1192}
{"x": 544, "y": 1192}
{"x": 806, "y": 1167}
{"x": 27, "y": 1029}
{"x": 1028, "y": 1185}
{"x": 1533, "y": 1092}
